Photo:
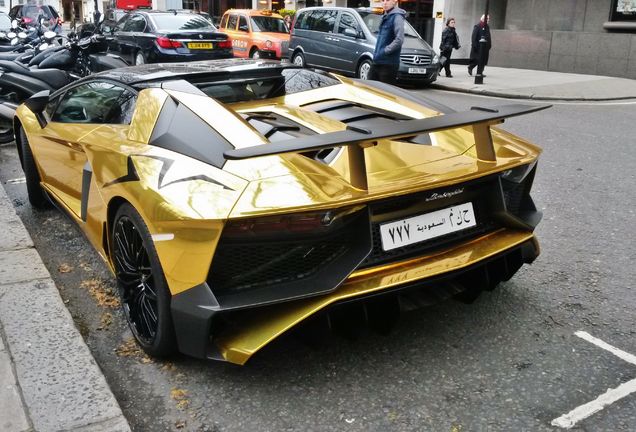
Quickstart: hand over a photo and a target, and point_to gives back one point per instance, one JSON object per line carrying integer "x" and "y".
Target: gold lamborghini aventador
{"x": 235, "y": 199}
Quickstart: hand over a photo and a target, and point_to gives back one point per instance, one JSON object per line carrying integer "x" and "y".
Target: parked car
{"x": 343, "y": 40}
{"x": 28, "y": 15}
{"x": 261, "y": 194}
{"x": 256, "y": 33}
{"x": 154, "y": 36}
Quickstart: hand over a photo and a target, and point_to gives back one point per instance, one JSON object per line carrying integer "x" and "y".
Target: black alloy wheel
{"x": 142, "y": 287}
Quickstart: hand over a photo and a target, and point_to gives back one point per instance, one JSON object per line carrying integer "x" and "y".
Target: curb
{"x": 506, "y": 95}
{"x": 49, "y": 380}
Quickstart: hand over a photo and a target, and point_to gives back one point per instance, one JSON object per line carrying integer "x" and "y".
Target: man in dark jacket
{"x": 450, "y": 40}
{"x": 480, "y": 31}
{"x": 386, "y": 58}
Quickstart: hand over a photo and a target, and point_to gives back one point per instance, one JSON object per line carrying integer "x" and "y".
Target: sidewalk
{"x": 540, "y": 85}
{"x": 49, "y": 380}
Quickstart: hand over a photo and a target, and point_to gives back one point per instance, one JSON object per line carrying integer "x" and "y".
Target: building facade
{"x": 595, "y": 37}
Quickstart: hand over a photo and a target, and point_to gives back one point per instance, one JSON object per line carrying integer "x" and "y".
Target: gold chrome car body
{"x": 90, "y": 169}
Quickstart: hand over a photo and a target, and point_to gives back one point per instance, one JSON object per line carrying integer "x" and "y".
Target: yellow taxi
{"x": 256, "y": 33}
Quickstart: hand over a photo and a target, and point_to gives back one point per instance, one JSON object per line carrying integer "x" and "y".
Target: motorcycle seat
{"x": 8, "y": 48}
{"x": 9, "y": 55}
{"x": 56, "y": 78}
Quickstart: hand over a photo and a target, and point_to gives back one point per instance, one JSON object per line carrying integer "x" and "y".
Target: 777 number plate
{"x": 423, "y": 227}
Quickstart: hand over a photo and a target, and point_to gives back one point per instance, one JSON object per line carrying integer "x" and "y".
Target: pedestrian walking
{"x": 450, "y": 40}
{"x": 480, "y": 31}
{"x": 386, "y": 57}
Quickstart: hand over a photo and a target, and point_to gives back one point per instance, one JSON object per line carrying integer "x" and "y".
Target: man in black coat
{"x": 480, "y": 31}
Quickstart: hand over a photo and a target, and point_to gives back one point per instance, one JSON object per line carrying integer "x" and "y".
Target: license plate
{"x": 427, "y": 226}
{"x": 417, "y": 70}
{"x": 200, "y": 45}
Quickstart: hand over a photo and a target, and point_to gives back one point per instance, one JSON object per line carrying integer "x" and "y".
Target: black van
{"x": 343, "y": 40}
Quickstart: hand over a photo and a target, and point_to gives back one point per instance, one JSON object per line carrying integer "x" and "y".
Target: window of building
{"x": 623, "y": 10}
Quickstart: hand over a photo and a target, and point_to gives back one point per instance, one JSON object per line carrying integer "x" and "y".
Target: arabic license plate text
{"x": 427, "y": 226}
{"x": 200, "y": 45}
{"x": 417, "y": 70}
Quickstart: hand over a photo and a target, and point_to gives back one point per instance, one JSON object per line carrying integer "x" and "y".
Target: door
{"x": 347, "y": 43}
{"x": 320, "y": 38}
{"x": 59, "y": 148}
{"x": 130, "y": 29}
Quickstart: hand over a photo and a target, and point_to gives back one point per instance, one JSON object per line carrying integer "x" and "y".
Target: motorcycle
{"x": 50, "y": 69}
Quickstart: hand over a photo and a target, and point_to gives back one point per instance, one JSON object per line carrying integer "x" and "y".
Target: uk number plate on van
{"x": 417, "y": 70}
{"x": 423, "y": 227}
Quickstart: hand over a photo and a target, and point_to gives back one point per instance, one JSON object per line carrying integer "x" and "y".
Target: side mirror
{"x": 37, "y": 103}
{"x": 350, "y": 32}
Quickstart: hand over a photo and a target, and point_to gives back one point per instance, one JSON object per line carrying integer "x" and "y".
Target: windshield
{"x": 181, "y": 22}
{"x": 372, "y": 21}
{"x": 5, "y": 22}
{"x": 268, "y": 24}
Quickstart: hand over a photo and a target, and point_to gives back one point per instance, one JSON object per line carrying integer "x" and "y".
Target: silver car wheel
{"x": 139, "y": 59}
{"x": 364, "y": 70}
{"x": 256, "y": 54}
{"x": 299, "y": 60}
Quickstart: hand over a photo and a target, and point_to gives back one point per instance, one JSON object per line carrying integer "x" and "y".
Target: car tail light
{"x": 312, "y": 222}
{"x": 164, "y": 42}
{"x": 27, "y": 20}
{"x": 224, "y": 44}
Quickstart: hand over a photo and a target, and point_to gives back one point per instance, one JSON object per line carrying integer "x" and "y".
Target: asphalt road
{"x": 509, "y": 361}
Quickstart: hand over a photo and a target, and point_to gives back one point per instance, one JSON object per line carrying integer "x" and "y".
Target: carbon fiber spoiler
{"x": 356, "y": 139}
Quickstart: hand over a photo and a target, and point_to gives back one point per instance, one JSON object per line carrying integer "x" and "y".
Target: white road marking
{"x": 17, "y": 180}
{"x": 568, "y": 420}
{"x": 629, "y": 358}
{"x": 162, "y": 237}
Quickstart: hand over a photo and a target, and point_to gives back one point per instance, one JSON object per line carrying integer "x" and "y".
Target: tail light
{"x": 27, "y": 20}
{"x": 224, "y": 44}
{"x": 164, "y": 42}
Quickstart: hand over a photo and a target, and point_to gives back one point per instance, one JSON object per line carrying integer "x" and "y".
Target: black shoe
{"x": 470, "y": 71}
{"x": 449, "y": 76}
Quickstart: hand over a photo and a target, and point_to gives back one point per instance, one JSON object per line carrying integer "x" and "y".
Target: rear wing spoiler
{"x": 356, "y": 139}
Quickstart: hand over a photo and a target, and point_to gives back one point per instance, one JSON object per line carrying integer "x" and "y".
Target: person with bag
{"x": 450, "y": 40}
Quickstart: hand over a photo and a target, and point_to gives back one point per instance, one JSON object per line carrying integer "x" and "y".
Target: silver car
{"x": 343, "y": 40}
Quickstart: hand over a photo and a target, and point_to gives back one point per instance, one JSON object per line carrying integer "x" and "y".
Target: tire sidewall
{"x": 300, "y": 56}
{"x": 37, "y": 197}
{"x": 137, "y": 55}
{"x": 364, "y": 63}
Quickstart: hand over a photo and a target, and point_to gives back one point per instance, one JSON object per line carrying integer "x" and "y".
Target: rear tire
{"x": 143, "y": 290}
{"x": 140, "y": 59}
{"x": 255, "y": 54}
{"x": 298, "y": 59}
{"x": 37, "y": 196}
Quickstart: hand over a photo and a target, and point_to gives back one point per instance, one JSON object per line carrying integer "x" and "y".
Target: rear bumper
{"x": 161, "y": 55}
{"x": 204, "y": 329}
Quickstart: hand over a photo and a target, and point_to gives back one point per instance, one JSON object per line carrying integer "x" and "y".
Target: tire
{"x": 36, "y": 194}
{"x": 6, "y": 130}
{"x": 140, "y": 58}
{"x": 255, "y": 54}
{"x": 143, "y": 290}
{"x": 364, "y": 69}
{"x": 298, "y": 59}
